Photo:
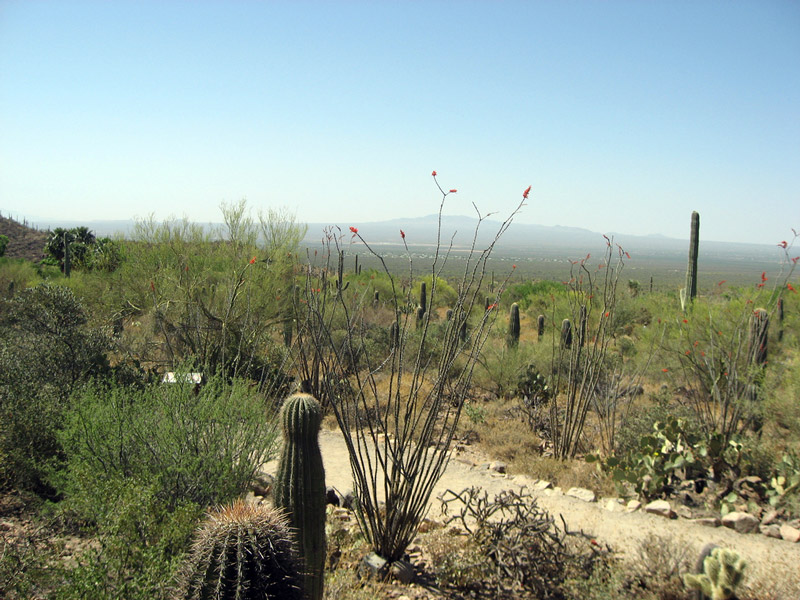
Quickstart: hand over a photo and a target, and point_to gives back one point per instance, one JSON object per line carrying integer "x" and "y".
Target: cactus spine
{"x": 566, "y": 333}
{"x": 241, "y": 551}
{"x": 513, "y": 326}
{"x": 689, "y": 293}
{"x": 539, "y": 326}
{"x": 723, "y": 571}
{"x": 300, "y": 485}
{"x": 759, "y": 332}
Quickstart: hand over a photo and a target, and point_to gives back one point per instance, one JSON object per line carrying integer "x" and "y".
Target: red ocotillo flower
{"x": 783, "y": 244}
{"x": 402, "y": 234}
{"x": 492, "y": 306}
{"x": 790, "y": 288}
{"x": 433, "y": 174}
{"x": 354, "y": 230}
{"x": 526, "y": 192}
{"x": 764, "y": 276}
{"x": 253, "y": 260}
{"x": 452, "y": 191}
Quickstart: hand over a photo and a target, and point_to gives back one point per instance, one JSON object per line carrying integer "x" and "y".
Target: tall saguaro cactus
{"x": 300, "y": 485}
{"x": 423, "y": 297}
{"x": 244, "y": 552}
{"x": 759, "y": 333}
{"x": 566, "y": 333}
{"x": 513, "y": 326}
{"x": 539, "y": 327}
{"x": 689, "y": 293}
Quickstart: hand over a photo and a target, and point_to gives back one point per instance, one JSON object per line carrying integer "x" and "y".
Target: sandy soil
{"x": 768, "y": 558}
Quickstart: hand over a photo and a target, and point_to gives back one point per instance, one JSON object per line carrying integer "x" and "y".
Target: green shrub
{"x": 47, "y": 350}
{"x": 200, "y": 447}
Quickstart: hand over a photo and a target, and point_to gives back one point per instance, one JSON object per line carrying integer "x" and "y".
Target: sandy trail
{"x": 768, "y": 558}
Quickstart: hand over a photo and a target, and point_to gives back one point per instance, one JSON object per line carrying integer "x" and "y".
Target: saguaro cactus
{"x": 689, "y": 293}
{"x": 723, "y": 572}
{"x": 420, "y": 317}
{"x": 566, "y": 333}
{"x": 394, "y": 333}
{"x": 241, "y": 551}
{"x": 759, "y": 333}
{"x": 423, "y": 297}
{"x": 340, "y": 286}
{"x": 513, "y": 326}
{"x": 539, "y": 327}
{"x": 300, "y": 485}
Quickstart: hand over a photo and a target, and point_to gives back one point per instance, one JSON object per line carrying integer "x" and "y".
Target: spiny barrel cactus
{"x": 723, "y": 572}
{"x": 241, "y": 551}
{"x": 566, "y": 333}
{"x": 300, "y": 485}
{"x": 513, "y": 326}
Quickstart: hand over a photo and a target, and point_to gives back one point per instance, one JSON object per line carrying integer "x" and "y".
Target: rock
{"x": 582, "y": 494}
{"x": 684, "y": 512}
{"x": 613, "y": 505}
{"x": 348, "y": 501}
{"x": 772, "y": 531}
{"x": 498, "y": 467}
{"x": 769, "y": 517}
{"x": 741, "y": 521}
{"x": 661, "y": 508}
{"x": 403, "y": 571}
{"x": 373, "y": 565}
{"x": 634, "y": 505}
{"x": 341, "y": 514}
{"x": 333, "y": 497}
{"x": 708, "y": 521}
{"x": 789, "y": 533}
{"x": 262, "y": 484}
{"x": 542, "y": 485}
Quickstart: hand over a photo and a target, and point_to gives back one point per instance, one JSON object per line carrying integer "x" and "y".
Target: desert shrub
{"x": 15, "y": 275}
{"x": 3, "y": 244}
{"x": 139, "y": 541}
{"x": 525, "y": 547}
{"x": 47, "y": 350}
{"x": 192, "y": 446}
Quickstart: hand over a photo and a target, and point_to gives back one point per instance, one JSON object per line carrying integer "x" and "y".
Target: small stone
{"x": 684, "y": 512}
{"x": 708, "y": 521}
{"x": 769, "y": 517}
{"x": 582, "y": 494}
{"x": 741, "y": 522}
{"x": 498, "y": 467}
{"x": 789, "y": 533}
{"x": 661, "y": 508}
{"x": 348, "y": 501}
{"x": 403, "y": 571}
{"x": 772, "y": 531}
{"x": 373, "y": 565}
{"x": 341, "y": 514}
{"x": 634, "y": 505}
{"x": 542, "y": 485}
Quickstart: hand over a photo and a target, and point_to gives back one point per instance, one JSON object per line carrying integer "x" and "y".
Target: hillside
{"x": 23, "y": 241}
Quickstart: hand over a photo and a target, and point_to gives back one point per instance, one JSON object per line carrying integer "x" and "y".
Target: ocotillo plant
{"x": 539, "y": 327}
{"x": 241, "y": 551}
{"x": 759, "y": 333}
{"x": 300, "y": 486}
{"x": 513, "y": 326}
{"x": 689, "y": 293}
{"x": 566, "y": 333}
{"x": 779, "y": 310}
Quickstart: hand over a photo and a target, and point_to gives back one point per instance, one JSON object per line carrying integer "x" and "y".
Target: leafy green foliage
{"x": 3, "y": 244}
{"x": 201, "y": 446}
{"x": 47, "y": 349}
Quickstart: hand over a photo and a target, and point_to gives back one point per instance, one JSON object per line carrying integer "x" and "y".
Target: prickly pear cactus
{"x": 300, "y": 485}
{"x": 241, "y": 551}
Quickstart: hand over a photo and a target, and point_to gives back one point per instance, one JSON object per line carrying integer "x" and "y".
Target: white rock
{"x": 661, "y": 508}
{"x": 498, "y": 467}
{"x": 542, "y": 485}
{"x": 741, "y": 521}
{"x": 634, "y": 505}
{"x": 789, "y": 533}
{"x": 582, "y": 494}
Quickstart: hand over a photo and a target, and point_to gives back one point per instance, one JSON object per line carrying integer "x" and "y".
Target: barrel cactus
{"x": 241, "y": 551}
{"x": 300, "y": 485}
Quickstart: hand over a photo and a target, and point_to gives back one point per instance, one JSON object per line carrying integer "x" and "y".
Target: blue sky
{"x": 622, "y": 116}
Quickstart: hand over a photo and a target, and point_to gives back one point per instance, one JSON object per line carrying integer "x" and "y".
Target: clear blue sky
{"x": 623, "y": 116}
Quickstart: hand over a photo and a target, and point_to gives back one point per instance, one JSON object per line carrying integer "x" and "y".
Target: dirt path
{"x": 768, "y": 558}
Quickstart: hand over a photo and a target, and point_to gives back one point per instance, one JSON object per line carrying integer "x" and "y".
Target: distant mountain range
{"x": 557, "y": 241}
